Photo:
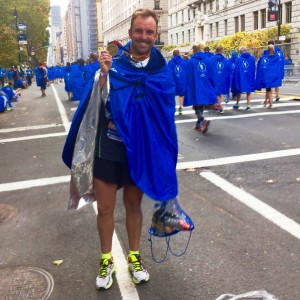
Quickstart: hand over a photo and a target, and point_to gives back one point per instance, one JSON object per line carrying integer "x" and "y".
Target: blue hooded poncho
{"x": 77, "y": 81}
{"x": 90, "y": 70}
{"x": 66, "y": 74}
{"x": 200, "y": 88}
{"x": 142, "y": 107}
{"x": 244, "y": 73}
{"x": 221, "y": 73}
{"x": 178, "y": 67}
{"x": 268, "y": 74}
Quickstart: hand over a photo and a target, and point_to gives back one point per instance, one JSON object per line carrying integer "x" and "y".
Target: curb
{"x": 295, "y": 97}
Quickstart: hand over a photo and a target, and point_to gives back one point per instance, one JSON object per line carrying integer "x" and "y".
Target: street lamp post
{"x": 17, "y": 30}
{"x": 279, "y": 21}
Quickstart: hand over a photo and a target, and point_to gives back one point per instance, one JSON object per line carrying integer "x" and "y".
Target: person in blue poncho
{"x": 68, "y": 80}
{"x": 91, "y": 68}
{"x": 2, "y": 75}
{"x": 41, "y": 78}
{"x": 280, "y": 55}
{"x": 77, "y": 79}
{"x": 29, "y": 75}
{"x": 233, "y": 89}
{"x": 136, "y": 144}
{"x": 268, "y": 73}
{"x": 221, "y": 75}
{"x": 244, "y": 76}
{"x": 200, "y": 90}
{"x": 178, "y": 67}
{"x": 10, "y": 75}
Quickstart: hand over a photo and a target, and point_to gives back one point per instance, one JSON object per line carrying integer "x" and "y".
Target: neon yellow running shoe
{"x": 104, "y": 279}
{"x": 135, "y": 266}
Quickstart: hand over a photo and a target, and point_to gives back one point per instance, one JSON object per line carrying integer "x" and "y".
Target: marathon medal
{"x": 112, "y": 49}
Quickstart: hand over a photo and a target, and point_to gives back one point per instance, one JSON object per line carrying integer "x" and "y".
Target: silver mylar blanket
{"x": 81, "y": 185}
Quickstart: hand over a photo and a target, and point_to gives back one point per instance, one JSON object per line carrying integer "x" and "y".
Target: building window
{"x": 225, "y": 27}
{"x": 176, "y": 38}
{"x": 242, "y": 22}
{"x": 217, "y": 28}
{"x": 210, "y": 6}
{"x": 288, "y": 12}
{"x": 263, "y": 16}
{"x": 236, "y": 24}
{"x": 182, "y": 34}
{"x": 189, "y": 35}
{"x": 211, "y": 30}
{"x": 255, "y": 20}
{"x": 156, "y": 4}
{"x": 217, "y": 5}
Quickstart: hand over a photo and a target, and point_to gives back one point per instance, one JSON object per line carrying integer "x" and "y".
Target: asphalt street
{"x": 240, "y": 183}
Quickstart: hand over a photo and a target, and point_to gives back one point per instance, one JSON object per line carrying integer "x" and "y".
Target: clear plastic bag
{"x": 169, "y": 218}
{"x": 81, "y": 185}
{"x": 258, "y": 295}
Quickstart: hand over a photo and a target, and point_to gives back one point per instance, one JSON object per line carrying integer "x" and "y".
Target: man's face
{"x": 143, "y": 34}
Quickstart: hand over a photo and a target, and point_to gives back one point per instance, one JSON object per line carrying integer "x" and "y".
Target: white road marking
{"x": 246, "y": 115}
{"x": 232, "y": 102}
{"x": 61, "y": 110}
{"x": 7, "y": 130}
{"x": 257, "y": 205}
{"x": 33, "y": 137}
{"x": 27, "y": 184}
{"x": 237, "y": 159}
{"x": 126, "y": 286}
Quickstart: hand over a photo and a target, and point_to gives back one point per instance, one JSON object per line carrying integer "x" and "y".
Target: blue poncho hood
{"x": 178, "y": 67}
{"x": 244, "y": 73}
{"x": 221, "y": 73}
{"x": 200, "y": 88}
{"x": 268, "y": 73}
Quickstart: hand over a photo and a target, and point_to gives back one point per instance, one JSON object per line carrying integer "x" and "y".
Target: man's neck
{"x": 137, "y": 57}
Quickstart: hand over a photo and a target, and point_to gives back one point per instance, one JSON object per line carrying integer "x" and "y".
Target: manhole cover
{"x": 25, "y": 283}
{"x": 6, "y": 211}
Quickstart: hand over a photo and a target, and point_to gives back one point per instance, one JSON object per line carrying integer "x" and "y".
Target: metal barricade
{"x": 292, "y": 74}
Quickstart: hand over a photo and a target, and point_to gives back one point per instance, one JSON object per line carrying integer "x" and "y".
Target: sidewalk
{"x": 290, "y": 89}
{"x": 287, "y": 89}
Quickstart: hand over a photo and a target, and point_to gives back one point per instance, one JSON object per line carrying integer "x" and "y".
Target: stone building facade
{"x": 194, "y": 21}
{"x": 117, "y": 16}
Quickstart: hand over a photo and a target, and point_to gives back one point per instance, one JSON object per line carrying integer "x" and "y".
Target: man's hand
{"x": 105, "y": 61}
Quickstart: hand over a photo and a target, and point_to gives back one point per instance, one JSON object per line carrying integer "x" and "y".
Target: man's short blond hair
{"x": 144, "y": 13}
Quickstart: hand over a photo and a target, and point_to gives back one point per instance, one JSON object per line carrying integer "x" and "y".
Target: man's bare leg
{"x": 132, "y": 198}
{"x": 106, "y": 201}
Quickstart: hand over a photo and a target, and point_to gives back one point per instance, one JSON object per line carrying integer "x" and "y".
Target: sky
{"x": 62, "y": 3}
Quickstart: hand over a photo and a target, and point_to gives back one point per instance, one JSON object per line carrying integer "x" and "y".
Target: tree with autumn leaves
{"x": 36, "y": 14}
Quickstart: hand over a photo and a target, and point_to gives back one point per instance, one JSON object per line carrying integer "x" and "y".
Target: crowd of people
{"x": 206, "y": 78}
{"x": 75, "y": 77}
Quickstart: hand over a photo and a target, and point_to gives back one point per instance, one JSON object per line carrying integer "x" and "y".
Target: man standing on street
{"x": 200, "y": 89}
{"x": 221, "y": 75}
{"x": 136, "y": 119}
{"x": 178, "y": 67}
{"x": 42, "y": 76}
{"x": 280, "y": 55}
{"x": 244, "y": 76}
